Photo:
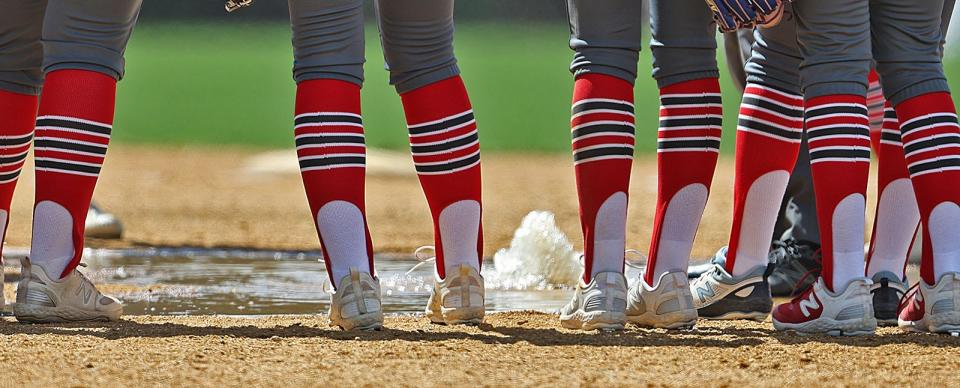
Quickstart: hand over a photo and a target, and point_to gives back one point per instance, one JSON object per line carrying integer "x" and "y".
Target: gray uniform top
{"x": 417, "y": 38}
{"x": 39, "y": 36}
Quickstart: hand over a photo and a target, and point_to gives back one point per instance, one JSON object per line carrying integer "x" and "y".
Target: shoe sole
{"x": 672, "y": 321}
{"x": 594, "y": 320}
{"x": 365, "y": 322}
{"x": 852, "y": 327}
{"x": 43, "y": 314}
{"x": 944, "y": 323}
{"x": 458, "y": 316}
{"x": 740, "y": 315}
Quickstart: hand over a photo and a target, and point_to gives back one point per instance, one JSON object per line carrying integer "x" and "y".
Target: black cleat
{"x": 887, "y": 290}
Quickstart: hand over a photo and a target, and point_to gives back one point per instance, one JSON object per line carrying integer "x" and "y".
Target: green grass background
{"x": 219, "y": 84}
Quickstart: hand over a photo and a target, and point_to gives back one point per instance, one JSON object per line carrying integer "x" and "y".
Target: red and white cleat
{"x": 819, "y": 311}
{"x": 934, "y": 309}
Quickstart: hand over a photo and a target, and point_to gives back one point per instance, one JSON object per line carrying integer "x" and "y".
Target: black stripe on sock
{"x": 463, "y": 119}
{"x": 68, "y": 166}
{"x": 64, "y": 145}
{"x": 666, "y": 144}
{"x": 757, "y": 102}
{"x": 933, "y": 120}
{"x": 889, "y": 114}
{"x": 13, "y": 159}
{"x": 891, "y": 136}
{"x": 583, "y": 107}
{"x": 813, "y": 113}
{"x": 73, "y": 125}
{"x": 16, "y": 141}
{"x": 690, "y": 100}
{"x": 930, "y": 143}
{"x": 667, "y": 122}
{"x": 605, "y": 151}
{"x": 851, "y": 131}
{"x": 320, "y": 119}
{"x": 417, "y": 149}
{"x": 843, "y": 153}
{"x": 331, "y": 161}
{"x": 592, "y": 129}
{"x": 12, "y": 175}
{"x": 449, "y": 166}
{"x": 315, "y": 139}
{"x": 757, "y": 126}
{"x": 934, "y": 165}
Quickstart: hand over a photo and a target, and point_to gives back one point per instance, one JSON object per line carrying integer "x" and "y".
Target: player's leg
{"x": 329, "y": 137}
{"x": 21, "y": 55}
{"x": 418, "y": 47}
{"x": 768, "y": 139}
{"x": 897, "y": 214}
{"x": 83, "y": 42}
{"x": 605, "y": 37}
{"x": 835, "y": 42}
{"x": 907, "y": 49}
{"x": 685, "y": 66}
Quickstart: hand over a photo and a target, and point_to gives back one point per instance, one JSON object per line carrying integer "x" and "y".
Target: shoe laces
{"x": 423, "y": 257}
{"x": 84, "y": 282}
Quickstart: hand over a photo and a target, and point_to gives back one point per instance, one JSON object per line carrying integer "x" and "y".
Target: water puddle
{"x": 534, "y": 273}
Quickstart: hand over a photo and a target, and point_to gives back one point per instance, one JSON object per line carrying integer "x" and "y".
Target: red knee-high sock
{"x": 768, "y": 140}
{"x": 931, "y": 142}
{"x": 691, "y": 115}
{"x": 897, "y": 216}
{"x": 73, "y": 131}
{"x": 602, "y": 127}
{"x": 839, "y": 140}
{"x": 446, "y": 153}
{"x": 332, "y": 154}
{"x": 18, "y": 113}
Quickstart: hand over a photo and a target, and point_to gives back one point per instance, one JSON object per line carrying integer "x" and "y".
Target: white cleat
{"x": 41, "y": 299}
{"x": 599, "y": 305}
{"x": 935, "y": 308}
{"x": 457, "y": 299}
{"x": 848, "y": 311}
{"x": 667, "y": 304}
{"x": 356, "y": 304}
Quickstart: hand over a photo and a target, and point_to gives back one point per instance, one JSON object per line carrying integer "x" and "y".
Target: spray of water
{"x": 539, "y": 257}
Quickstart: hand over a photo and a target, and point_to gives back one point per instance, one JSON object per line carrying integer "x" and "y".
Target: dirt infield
{"x": 227, "y": 198}
{"x": 510, "y": 349}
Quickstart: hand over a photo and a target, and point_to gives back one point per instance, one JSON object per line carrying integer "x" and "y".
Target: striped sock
{"x": 18, "y": 113}
{"x": 73, "y": 131}
{"x": 332, "y": 154}
{"x": 446, "y": 153}
{"x": 931, "y": 143}
{"x": 897, "y": 216}
{"x": 768, "y": 140}
{"x": 688, "y": 142}
{"x": 839, "y": 138}
{"x": 602, "y": 127}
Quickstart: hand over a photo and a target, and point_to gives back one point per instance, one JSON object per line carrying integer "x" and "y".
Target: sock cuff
{"x": 71, "y": 93}
{"x": 594, "y": 85}
{"x": 327, "y": 95}
{"x": 709, "y": 85}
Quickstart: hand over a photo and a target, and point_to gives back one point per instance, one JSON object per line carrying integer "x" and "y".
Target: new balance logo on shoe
{"x": 811, "y": 303}
{"x": 704, "y": 292}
